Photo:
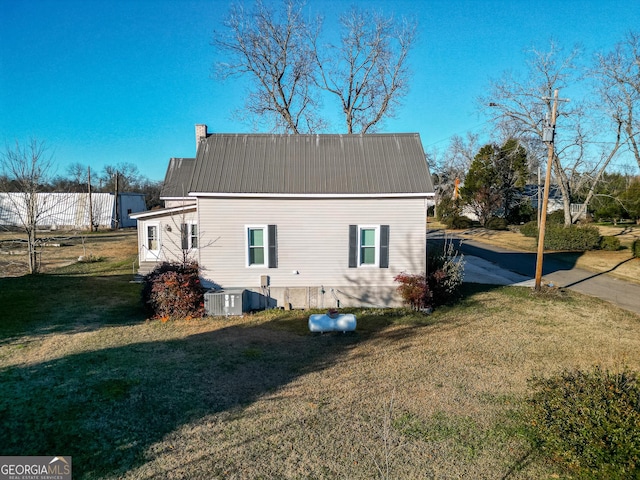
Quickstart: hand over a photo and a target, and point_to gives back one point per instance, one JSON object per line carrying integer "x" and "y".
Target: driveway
{"x": 498, "y": 266}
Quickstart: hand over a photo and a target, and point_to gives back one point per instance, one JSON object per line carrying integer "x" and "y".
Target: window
{"x": 193, "y": 235}
{"x": 256, "y": 246}
{"x": 261, "y": 246}
{"x": 368, "y": 242}
{"x": 189, "y": 235}
{"x": 369, "y": 246}
{"x": 152, "y": 237}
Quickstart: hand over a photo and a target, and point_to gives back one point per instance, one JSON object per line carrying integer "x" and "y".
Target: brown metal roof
{"x": 311, "y": 164}
{"x": 177, "y": 178}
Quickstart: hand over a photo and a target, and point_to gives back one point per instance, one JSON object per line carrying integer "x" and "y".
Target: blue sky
{"x": 111, "y": 81}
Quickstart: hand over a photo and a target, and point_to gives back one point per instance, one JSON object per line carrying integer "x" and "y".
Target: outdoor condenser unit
{"x": 227, "y": 302}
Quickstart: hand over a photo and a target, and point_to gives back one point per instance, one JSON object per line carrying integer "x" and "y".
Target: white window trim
{"x": 265, "y": 237}
{"x": 190, "y": 236}
{"x": 376, "y": 264}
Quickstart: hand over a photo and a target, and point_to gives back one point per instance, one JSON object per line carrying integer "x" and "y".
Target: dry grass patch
{"x": 405, "y": 396}
{"x": 62, "y": 249}
{"x": 430, "y": 401}
{"x": 502, "y": 238}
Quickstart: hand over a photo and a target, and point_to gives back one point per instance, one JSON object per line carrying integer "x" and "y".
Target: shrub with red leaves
{"x": 414, "y": 290}
{"x": 441, "y": 285}
{"x": 173, "y": 290}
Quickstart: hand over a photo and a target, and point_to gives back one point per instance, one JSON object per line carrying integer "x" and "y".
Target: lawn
{"x": 83, "y": 373}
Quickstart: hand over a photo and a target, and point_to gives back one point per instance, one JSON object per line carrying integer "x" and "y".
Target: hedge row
{"x": 578, "y": 238}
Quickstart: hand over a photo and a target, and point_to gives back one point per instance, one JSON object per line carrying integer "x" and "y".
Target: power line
{"x": 458, "y": 132}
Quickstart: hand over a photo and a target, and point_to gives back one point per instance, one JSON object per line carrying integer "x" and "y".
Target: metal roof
{"x": 372, "y": 164}
{"x": 177, "y": 178}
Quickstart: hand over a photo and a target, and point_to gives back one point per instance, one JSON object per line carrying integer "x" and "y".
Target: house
{"x": 303, "y": 221}
{"x": 555, "y": 197}
{"x": 72, "y": 211}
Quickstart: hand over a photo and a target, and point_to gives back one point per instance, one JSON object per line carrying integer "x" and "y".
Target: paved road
{"x": 560, "y": 274}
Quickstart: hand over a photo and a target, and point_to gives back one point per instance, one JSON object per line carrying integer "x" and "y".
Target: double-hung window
{"x": 261, "y": 243}
{"x": 193, "y": 235}
{"x": 369, "y": 246}
{"x": 189, "y": 235}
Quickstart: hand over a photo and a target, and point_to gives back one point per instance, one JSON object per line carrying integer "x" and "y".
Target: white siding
{"x": 170, "y": 236}
{"x": 172, "y": 203}
{"x": 313, "y": 239}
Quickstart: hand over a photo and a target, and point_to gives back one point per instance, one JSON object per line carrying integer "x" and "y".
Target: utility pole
{"x": 548, "y": 138}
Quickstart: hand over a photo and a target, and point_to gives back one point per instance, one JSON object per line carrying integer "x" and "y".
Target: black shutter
{"x": 184, "y": 236}
{"x": 384, "y": 246}
{"x": 273, "y": 249}
{"x": 353, "y": 246}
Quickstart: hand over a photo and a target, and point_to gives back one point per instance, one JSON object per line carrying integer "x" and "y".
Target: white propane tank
{"x": 332, "y": 322}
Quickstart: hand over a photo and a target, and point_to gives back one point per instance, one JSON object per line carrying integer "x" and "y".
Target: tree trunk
{"x": 31, "y": 247}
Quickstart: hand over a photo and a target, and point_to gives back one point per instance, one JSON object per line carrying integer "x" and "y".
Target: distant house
{"x": 305, "y": 220}
{"x": 71, "y": 210}
{"x": 555, "y": 197}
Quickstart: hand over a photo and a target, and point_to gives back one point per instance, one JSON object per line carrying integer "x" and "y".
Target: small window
{"x": 261, "y": 241}
{"x": 368, "y": 246}
{"x": 152, "y": 237}
{"x": 189, "y": 235}
{"x": 257, "y": 246}
{"x": 193, "y": 235}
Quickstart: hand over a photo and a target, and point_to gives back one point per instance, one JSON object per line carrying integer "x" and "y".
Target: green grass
{"x": 50, "y": 303}
{"x": 83, "y": 373}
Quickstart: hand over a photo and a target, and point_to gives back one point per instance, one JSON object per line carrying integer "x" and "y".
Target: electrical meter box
{"x": 234, "y": 301}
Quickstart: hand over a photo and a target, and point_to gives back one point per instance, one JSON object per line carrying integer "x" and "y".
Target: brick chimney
{"x": 201, "y": 134}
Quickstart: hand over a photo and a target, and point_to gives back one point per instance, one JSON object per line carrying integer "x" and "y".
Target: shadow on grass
{"x": 107, "y": 407}
{"x": 41, "y": 304}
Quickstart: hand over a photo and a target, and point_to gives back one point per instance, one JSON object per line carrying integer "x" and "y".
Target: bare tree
{"x": 519, "y": 108}
{"x": 272, "y": 49}
{"x": 125, "y": 175}
{"x": 26, "y": 170}
{"x": 77, "y": 173}
{"x": 617, "y": 74}
{"x": 368, "y": 71}
{"x": 454, "y": 163}
{"x": 292, "y": 70}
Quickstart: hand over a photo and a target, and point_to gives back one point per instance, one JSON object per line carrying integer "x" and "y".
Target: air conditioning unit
{"x": 234, "y": 301}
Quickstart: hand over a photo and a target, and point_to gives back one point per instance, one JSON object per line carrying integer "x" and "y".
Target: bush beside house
{"x": 439, "y": 285}
{"x": 173, "y": 290}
